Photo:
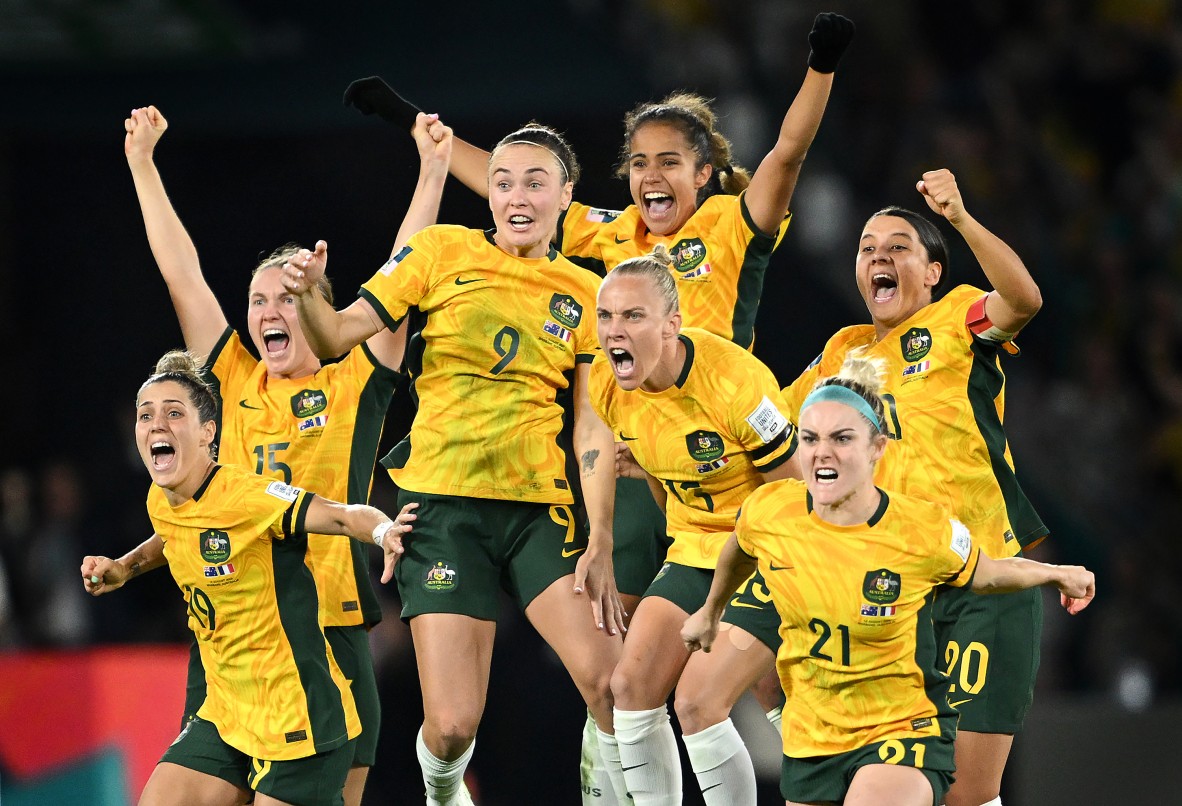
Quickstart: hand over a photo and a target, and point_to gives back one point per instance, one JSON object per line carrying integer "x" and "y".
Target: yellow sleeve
{"x": 956, "y": 561}
{"x": 759, "y": 418}
{"x": 403, "y": 280}
{"x": 579, "y": 226}
{"x": 229, "y": 365}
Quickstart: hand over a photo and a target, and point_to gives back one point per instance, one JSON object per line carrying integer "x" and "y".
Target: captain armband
{"x": 979, "y": 325}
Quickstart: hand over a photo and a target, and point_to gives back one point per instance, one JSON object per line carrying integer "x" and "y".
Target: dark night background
{"x": 1062, "y": 121}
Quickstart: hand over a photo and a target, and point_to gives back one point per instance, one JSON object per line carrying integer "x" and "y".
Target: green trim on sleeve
{"x": 216, "y": 352}
{"x": 390, "y": 321}
{"x": 750, "y": 285}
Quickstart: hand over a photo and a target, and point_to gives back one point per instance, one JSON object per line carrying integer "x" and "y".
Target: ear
{"x": 933, "y": 274}
{"x": 672, "y": 326}
{"x": 209, "y": 430}
{"x": 703, "y": 176}
{"x": 568, "y": 192}
{"x": 878, "y": 443}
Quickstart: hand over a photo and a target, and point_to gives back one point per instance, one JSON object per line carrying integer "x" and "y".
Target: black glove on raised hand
{"x": 373, "y": 96}
{"x": 830, "y": 35}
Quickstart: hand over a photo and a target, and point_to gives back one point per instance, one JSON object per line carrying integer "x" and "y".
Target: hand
{"x": 144, "y": 129}
{"x": 626, "y": 465}
{"x": 372, "y": 95}
{"x": 830, "y": 35}
{"x": 1077, "y": 587}
{"x": 942, "y": 195}
{"x": 392, "y": 547}
{"x": 102, "y": 575}
{"x": 433, "y": 140}
{"x": 699, "y": 631}
{"x": 595, "y": 575}
{"x": 305, "y": 268}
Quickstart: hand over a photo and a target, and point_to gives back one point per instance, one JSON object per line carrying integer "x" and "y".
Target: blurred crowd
{"x": 1063, "y": 123}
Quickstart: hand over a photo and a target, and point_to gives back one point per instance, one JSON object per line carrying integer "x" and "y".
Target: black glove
{"x": 830, "y": 35}
{"x": 374, "y": 96}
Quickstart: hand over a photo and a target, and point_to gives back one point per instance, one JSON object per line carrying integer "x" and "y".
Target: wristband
{"x": 380, "y": 531}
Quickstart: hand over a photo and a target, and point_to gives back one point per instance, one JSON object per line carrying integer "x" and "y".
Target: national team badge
{"x": 688, "y": 254}
{"x": 440, "y": 577}
{"x": 564, "y": 308}
{"x": 916, "y": 343}
{"x": 215, "y": 546}
{"x": 308, "y": 402}
{"x": 882, "y": 586}
{"x": 704, "y": 446}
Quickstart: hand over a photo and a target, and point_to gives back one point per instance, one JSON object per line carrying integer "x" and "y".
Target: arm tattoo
{"x": 589, "y": 459}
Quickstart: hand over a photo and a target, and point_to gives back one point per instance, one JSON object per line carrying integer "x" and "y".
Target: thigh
{"x": 448, "y": 566}
{"x": 989, "y": 646}
{"x": 350, "y": 647}
{"x": 317, "y": 780}
{"x": 889, "y": 785}
{"x": 200, "y": 748}
{"x": 639, "y": 535}
{"x": 454, "y": 655}
{"x": 653, "y": 656}
{"x": 172, "y": 783}
{"x": 713, "y": 681}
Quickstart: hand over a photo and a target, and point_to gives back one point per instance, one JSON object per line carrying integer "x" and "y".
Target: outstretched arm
{"x": 595, "y": 453}
{"x": 329, "y": 332}
{"x": 1015, "y": 298}
{"x": 434, "y": 141}
{"x": 734, "y": 565}
{"x": 102, "y": 574}
{"x": 201, "y": 318}
{"x": 362, "y": 523}
{"x": 774, "y": 181}
{"x": 1076, "y": 584}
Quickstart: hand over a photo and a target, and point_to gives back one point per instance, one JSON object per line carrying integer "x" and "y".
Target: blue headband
{"x": 840, "y": 394}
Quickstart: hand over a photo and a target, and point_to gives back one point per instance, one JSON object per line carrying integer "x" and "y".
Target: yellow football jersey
{"x": 321, "y": 433}
{"x": 858, "y": 654}
{"x": 944, "y": 393}
{"x": 238, "y": 553}
{"x": 502, "y": 337}
{"x": 719, "y": 258}
{"x": 707, "y": 438}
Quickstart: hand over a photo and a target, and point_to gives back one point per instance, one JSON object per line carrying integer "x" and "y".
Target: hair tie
{"x": 726, "y": 169}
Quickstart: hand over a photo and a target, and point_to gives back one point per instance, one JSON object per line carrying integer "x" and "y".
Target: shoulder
{"x": 778, "y": 501}
{"x": 578, "y": 212}
{"x": 955, "y": 304}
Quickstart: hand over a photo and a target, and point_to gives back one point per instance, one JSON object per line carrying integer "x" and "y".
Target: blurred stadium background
{"x": 1062, "y": 121}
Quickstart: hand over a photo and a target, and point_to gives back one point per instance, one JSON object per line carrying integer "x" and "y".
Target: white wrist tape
{"x": 379, "y": 532}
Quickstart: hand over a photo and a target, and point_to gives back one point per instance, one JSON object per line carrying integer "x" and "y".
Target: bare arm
{"x": 102, "y": 575}
{"x": 469, "y": 164}
{"x": 1076, "y": 584}
{"x": 200, "y": 316}
{"x": 595, "y": 453}
{"x": 434, "y": 142}
{"x": 329, "y": 332}
{"x": 1015, "y": 297}
{"x": 362, "y": 522}
{"x": 734, "y": 565}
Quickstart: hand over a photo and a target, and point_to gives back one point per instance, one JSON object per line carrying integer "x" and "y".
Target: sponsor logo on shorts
{"x": 959, "y": 703}
{"x": 440, "y": 577}
{"x": 920, "y": 724}
{"x": 308, "y": 402}
{"x": 916, "y": 343}
{"x": 564, "y": 308}
{"x": 215, "y": 546}
{"x": 184, "y": 731}
{"x": 664, "y": 570}
{"x": 704, "y": 446}
{"x": 882, "y": 586}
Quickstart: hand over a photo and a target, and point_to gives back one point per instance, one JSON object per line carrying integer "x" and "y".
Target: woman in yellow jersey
{"x": 508, "y": 335}
{"x": 285, "y": 415}
{"x": 854, "y": 572}
{"x": 945, "y": 395}
{"x": 278, "y": 717}
{"x": 703, "y": 417}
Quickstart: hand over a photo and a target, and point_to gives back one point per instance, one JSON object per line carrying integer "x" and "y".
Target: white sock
{"x": 444, "y": 779}
{"x": 594, "y": 782}
{"x": 774, "y": 716}
{"x": 995, "y": 802}
{"x": 609, "y": 751}
{"x": 648, "y": 753}
{"x": 722, "y": 765}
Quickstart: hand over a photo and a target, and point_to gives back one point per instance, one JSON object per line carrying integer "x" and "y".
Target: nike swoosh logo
{"x": 634, "y": 767}
{"x": 246, "y": 405}
{"x": 712, "y": 786}
{"x": 960, "y": 702}
{"x": 627, "y": 439}
{"x": 465, "y": 282}
{"x": 774, "y": 567}
{"x": 618, "y": 239}
{"x": 737, "y": 603}
{"x": 572, "y": 552}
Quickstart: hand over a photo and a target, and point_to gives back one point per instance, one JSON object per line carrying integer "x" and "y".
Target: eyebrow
{"x": 149, "y": 402}
{"x": 658, "y": 154}
{"x": 527, "y": 170}
{"x": 889, "y": 235}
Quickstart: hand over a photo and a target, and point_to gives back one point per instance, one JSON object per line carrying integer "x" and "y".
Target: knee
{"x": 698, "y": 709}
{"x": 448, "y": 734}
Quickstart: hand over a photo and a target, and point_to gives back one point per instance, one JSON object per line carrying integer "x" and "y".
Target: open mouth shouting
{"x": 825, "y": 475}
{"x": 163, "y": 455}
{"x": 275, "y": 340}
{"x": 519, "y": 222}
{"x": 622, "y": 362}
{"x": 883, "y": 287}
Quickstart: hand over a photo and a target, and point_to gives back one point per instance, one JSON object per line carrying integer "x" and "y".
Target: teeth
{"x": 655, "y": 195}
{"x": 159, "y": 444}
{"x": 519, "y": 219}
{"x": 826, "y": 474}
{"x": 618, "y": 351}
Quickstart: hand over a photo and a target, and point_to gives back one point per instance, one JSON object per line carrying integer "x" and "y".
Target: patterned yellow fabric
{"x": 237, "y": 552}
{"x": 858, "y": 658}
{"x": 707, "y": 438}
{"x": 945, "y": 397}
{"x": 720, "y": 258}
{"x": 502, "y": 336}
{"x": 321, "y": 433}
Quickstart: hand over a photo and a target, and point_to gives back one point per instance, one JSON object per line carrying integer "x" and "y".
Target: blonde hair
{"x": 862, "y": 375}
{"x": 692, "y": 115}
{"x": 277, "y": 258}
{"x": 656, "y": 266}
